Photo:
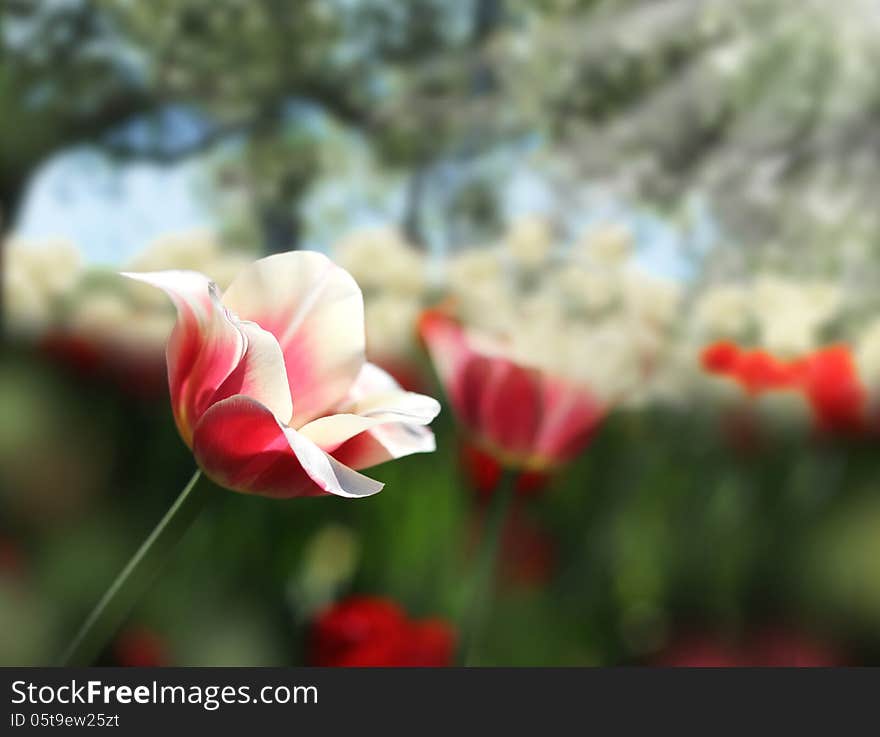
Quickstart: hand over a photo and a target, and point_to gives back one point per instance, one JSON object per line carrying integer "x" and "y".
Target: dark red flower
{"x": 74, "y": 351}
{"x": 366, "y": 631}
{"x": 140, "y": 647}
{"x": 431, "y": 644}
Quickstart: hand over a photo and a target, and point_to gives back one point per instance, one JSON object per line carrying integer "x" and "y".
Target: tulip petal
{"x": 385, "y": 443}
{"x": 204, "y": 347}
{"x": 571, "y": 416}
{"x": 371, "y": 380}
{"x": 511, "y": 407}
{"x": 260, "y": 374}
{"x": 464, "y": 372}
{"x": 468, "y": 389}
{"x": 375, "y": 392}
{"x": 446, "y": 343}
{"x": 315, "y": 310}
{"x": 380, "y": 422}
{"x": 240, "y": 444}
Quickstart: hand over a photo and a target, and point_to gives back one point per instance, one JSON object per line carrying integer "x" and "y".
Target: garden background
{"x": 636, "y": 192}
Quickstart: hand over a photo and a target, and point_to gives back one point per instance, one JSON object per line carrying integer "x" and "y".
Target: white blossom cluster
{"x": 766, "y": 108}
{"x": 49, "y": 290}
{"x": 394, "y": 278}
{"x": 582, "y": 310}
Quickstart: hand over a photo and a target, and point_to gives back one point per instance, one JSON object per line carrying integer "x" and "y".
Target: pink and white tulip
{"x": 269, "y": 384}
{"x": 523, "y": 416}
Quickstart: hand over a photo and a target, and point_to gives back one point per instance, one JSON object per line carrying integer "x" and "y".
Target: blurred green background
{"x": 716, "y": 160}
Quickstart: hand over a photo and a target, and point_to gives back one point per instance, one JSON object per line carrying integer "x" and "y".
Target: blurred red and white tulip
{"x": 538, "y": 341}
{"x": 521, "y": 415}
{"x": 269, "y": 384}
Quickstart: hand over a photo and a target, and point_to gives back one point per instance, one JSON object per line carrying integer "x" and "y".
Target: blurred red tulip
{"x": 522, "y": 416}
{"x": 837, "y": 396}
{"x": 720, "y": 357}
{"x": 368, "y": 631}
{"x": 827, "y": 378}
{"x": 756, "y": 370}
{"x": 269, "y": 385}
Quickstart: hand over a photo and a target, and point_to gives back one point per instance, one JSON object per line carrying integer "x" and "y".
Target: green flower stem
{"x": 482, "y": 586}
{"x": 139, "y": 574}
